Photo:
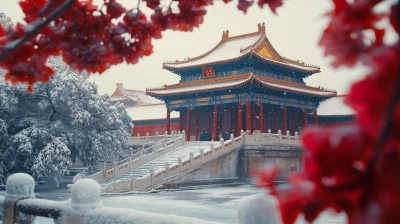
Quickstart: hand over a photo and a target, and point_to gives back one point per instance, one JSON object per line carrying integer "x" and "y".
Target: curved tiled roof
{"x": 335, "y": 106}
{"x": 237, "y": 47}
{"x": 237, "y": 81}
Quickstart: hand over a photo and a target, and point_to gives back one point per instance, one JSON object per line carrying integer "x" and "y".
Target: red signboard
{"x": 208, "y": 72}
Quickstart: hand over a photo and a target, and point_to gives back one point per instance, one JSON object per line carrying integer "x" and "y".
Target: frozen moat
{"x": 212, "y": 203}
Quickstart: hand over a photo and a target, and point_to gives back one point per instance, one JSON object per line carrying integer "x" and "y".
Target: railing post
{"x": 183, "y": 136}
{"x": 221, "y": 141}
{"x": 85, "y": 197}
{"x": 191, "y": 159}
{"x": 166, "y": 166}
{"x": 201, "y": 155}
{"x": 280, "y": 135}
{"x": 140, "y": 157}
{"x": 147, "y": 136}
{"x": 212, "y": 148}
{"x": 130, "y": 160}
{"x": 133, "y": 182}
{"x": 115, "y": 168}
{"x": 104, "y": 170}
{"x": 19, "y": 186}
{"x": 180, "y": 164}
{"x": 232, "y": 137}
{"x": 296, "y": 136}
{"x": 152, "y": 175}
{"x": 288, "y": 133}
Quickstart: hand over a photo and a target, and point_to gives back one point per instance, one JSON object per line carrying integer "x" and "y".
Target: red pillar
{"x": 222, "y": 120}
{"x": 248, "y": 115}
{"x": 181, "y": 121}
{"x": 169, "y": 121}
{"x": 261, "y": 118}
{"x": 188, "y": 124}
{"x": 215, "y": 129}
{"x": 305, "y": 117}
{"x": 315, "y": 117}
{"x": 240, "y": 116}
{"x": 284, "y": 120}
{"x": 197, "y": 123}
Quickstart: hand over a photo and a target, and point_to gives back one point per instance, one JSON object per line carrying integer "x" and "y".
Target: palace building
{"x": 242, "y": 83}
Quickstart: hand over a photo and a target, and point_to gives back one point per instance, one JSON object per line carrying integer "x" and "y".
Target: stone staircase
{"x": 191, "y": 149}
{"x": 169, "y": 167}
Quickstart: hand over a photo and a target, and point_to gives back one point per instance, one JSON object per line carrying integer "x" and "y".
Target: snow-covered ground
{"x": 214, "y": 204}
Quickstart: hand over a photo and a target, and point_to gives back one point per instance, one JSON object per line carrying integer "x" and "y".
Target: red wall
{"x": 142, "y": 130}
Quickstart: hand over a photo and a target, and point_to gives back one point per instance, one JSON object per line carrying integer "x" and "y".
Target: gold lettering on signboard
{"x": 177, "y": 101}
{"x": 203, "y": 99}
{"x": 228, "y": 96}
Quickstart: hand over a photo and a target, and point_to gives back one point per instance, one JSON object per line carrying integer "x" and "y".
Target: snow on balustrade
{"x": 182, "y": 152}
{"x": 117, "y": 168}
{"x": 85, "y": 207}
{"x": 170, "y": 167}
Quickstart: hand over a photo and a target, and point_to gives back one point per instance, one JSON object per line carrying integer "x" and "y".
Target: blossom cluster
{"x": 91, "y": 37}
{"x": 353, "y": 168}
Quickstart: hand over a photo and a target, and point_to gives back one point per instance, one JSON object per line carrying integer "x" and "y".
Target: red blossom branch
{"x": 34, "y": 29}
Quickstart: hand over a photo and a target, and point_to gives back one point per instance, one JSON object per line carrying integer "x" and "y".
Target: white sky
{"x": 294, "y": 33}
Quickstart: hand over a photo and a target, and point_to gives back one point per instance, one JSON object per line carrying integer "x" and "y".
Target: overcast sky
{"x": 294, "y": 33}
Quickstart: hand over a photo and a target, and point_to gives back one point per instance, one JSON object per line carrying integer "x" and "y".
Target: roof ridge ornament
{"x": 225, "y": 35}
{"x": 261, "y": 27}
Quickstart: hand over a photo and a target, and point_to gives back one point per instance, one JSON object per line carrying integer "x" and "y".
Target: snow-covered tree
{"x": 54, "y": 160}
{"x": 69, "y": 108}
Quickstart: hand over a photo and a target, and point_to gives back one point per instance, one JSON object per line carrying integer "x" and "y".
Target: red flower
{"x": 244, "y": 5}
{"x": 273, "y": 4}
{"x": 265, "y": 176}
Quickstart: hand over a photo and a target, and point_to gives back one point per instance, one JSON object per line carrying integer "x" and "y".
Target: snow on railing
{"x": 85, "y": 207}
{"x": 171, "y": 172}
{"x": 135, "y": 160}
{"x": 151, "y": 138}
{"x": 259, "y": 138}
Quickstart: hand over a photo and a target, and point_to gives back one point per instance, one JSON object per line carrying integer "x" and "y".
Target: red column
{"x": 169, "y": 121}
{"x": 197, "y": 123}
{"x": 188, "y": 124}
{"x": 284, "y": 120}
{"x": 261, "y": 118}
{"x": 315, "y": 117}
{"x": 248, "y": 115}
{"x": 215, "y": 124}
{"x": 240, "y": 121}
{"x": 181, "y": 121}
{"x": 222, "y": 120}
{"x": 305, "y": 117}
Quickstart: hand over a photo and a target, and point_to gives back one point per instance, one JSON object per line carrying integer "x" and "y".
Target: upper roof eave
{"x": 242, "y": 80}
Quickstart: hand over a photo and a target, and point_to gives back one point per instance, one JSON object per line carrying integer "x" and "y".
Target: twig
{"x": 387, "y": 121}
{"x": 46, "y": 8}
{"x": 10, "y": 47}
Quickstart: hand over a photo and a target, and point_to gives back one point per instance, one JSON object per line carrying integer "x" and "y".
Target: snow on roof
{"x": 225, "y": 50}
{"x": 289, "y": 64}
{"x": 294, "y": 87}
{"x": 203, "y": 86}
{"x": 143, "y": 97}
{"x": 234, "y": 81}
{"x": 149, "y": 112}
{"x": 334, "y": 106}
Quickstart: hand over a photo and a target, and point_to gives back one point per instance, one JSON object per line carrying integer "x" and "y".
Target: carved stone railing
{"x": 20, "y": 206}
{"x": 171, "y": 172}
{"x": 140, "y": 140}
{"x": 117, "y": 168}
{"x": 269, "y": 138}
